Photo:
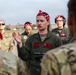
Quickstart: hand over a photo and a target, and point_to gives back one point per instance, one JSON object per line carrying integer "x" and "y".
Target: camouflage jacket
{"x": 60, "y": 61}
{"x": 10, "y": 64}
{"x": 24, "y": 37}
{"x": 8, "y": 44}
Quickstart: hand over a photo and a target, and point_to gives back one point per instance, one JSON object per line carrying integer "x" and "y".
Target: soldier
{"x": 7, "y": 43}
{"x": 38, "y": 44}
{"x": 61, "y": 31}
{"x": 27, "y": 32}
{"x": 62, "y": 60}
{"x": 10, "y": 64}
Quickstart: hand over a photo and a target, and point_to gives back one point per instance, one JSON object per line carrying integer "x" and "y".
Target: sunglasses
{"x": 2, "y": 24}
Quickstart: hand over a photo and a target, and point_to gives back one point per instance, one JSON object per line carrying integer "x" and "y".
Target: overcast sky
{"x": 20, "y": 11}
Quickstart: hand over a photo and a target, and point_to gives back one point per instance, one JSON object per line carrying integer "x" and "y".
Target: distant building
{"x": 21, "y": 27}
{"x": 14, "y": 27}
{"x": 34, "y": 28}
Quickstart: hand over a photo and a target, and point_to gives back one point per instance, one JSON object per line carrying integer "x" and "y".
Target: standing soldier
{"x": 10, "y": 64}
{"x": 7, "y": 43}
{"x": 62, "y": 60}
{"x": 61, "y": 31}
{"x": 27, "y": 32}
{"x": 37, "y": 44}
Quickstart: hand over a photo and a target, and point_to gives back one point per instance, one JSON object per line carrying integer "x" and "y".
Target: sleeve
{"x": 22, "y": 68}
{"x": 49, "y": 65}
{"x": 24, "y": 54}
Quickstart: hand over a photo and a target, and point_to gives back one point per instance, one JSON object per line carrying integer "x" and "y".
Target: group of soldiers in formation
{"x": 47, "y": 52}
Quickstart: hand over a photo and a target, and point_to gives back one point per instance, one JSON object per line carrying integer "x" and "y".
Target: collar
{"x": 49, "y": 34}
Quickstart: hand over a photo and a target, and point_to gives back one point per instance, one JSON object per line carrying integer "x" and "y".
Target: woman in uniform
{"x": 7, "y": 43}
{"x": 37, "y": 44}
{"x": 61, "y": 31}
{"x": 27, "y": 31}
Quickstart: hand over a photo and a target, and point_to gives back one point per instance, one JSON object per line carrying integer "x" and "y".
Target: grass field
{"x": 20, "y": 31}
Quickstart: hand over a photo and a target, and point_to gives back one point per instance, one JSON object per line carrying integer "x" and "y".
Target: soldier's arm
{"x": 24, "y": 52}
{"x": 49, "y": 65}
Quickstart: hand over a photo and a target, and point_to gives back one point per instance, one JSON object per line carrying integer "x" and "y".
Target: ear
{"x": 48, "y": 22}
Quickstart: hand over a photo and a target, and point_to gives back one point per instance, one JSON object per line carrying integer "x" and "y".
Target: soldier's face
{"x": 41, "y": 23}
{"x": 60, "y": 22}
{"x": 2, "y": 25}
{"x": 28, "y": 29}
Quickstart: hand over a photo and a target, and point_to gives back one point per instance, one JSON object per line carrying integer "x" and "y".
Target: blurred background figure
{"x": 61, "y": 31}
{"x": 27, "y": 31}
{"x": 7, "y": 43}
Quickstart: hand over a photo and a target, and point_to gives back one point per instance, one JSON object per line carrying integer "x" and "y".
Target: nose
{"x": 39, "y": 22}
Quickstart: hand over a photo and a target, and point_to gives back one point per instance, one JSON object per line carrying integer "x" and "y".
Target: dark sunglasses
{"x": 2, "y": 24}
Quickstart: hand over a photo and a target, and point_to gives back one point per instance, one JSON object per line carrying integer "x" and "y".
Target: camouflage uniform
{"x": 8, "y": 44}
{"x": 63, "y": 34}
{"x": 60, "y": 61}
{"x": 24, "y": 37}
{"x": 11, "y": 64}
{"x": 35, "y": 48}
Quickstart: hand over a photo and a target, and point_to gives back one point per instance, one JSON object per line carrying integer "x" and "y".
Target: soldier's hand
{"x": 17, "y": 37}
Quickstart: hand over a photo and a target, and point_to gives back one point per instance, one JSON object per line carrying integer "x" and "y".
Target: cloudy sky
{"x": 20, "y": 11}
